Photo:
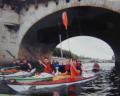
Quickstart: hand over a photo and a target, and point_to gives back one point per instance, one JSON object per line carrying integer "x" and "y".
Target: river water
{"x": 102, "y": 86}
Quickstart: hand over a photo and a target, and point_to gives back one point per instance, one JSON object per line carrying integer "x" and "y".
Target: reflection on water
{"x": 102, "y": 86}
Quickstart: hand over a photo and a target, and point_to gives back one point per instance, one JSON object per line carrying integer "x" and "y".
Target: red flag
{"x": 74, "y": 71}
{"x": 65, "y": 19}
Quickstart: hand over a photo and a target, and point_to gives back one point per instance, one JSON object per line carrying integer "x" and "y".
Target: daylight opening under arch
{"x": 86, "y": 49}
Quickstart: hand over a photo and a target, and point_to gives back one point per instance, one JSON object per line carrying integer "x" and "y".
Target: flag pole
{"x": 67, "y": 35}
{"x": 60, "y": 40}
{"x": 65, "y": 23}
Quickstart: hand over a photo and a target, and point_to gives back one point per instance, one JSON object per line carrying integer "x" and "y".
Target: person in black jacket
{"x": 25, "y": 65}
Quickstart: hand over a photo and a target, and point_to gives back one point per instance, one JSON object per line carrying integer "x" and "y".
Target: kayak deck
{"x": 31, "y": 79}
{"x": 39, "y": 85}
{"x": 67, "y": 80}
{"x": 50, "y": 84}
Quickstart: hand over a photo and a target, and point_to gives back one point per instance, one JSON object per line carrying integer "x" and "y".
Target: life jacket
{"x": 67, "y": 68}
{"x": 48, "y": 68}
{"x": 96, "y": 66}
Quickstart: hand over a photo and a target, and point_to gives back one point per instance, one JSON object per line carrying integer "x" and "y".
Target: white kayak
{"x": 18, "y": 74}
{"x": 37, "y": 85}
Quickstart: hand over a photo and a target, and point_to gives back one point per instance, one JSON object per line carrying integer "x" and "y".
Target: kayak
{"x": 24, "y": 85}
{"x": 9, "y": 70}
{"x": 18, "y": 74}
{"x": 42, "y": 77}
{"x": 31, "y": 79}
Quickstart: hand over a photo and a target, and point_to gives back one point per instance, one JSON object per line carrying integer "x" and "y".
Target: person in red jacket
{"x": 67, "y": 68}
{"x": 47, "y": 65}
{"x": 79, "y": 66}
{"x": 44, "y": 66}
{"x": 72, "y": 68}
{"x": 96, "y": 67}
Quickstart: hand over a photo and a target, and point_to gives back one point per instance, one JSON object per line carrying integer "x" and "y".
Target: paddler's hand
{"x": 40, "y": 62}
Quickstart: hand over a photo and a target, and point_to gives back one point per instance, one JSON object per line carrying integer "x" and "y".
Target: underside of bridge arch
{"x": 42, "y": 37}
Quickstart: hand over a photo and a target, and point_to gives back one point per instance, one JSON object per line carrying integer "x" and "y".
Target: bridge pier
{"x": 117, "y": 62}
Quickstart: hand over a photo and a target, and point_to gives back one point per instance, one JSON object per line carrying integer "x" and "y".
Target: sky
{"x": 88, "y": 47}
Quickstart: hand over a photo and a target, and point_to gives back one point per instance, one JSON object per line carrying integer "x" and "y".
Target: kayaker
{"x": 62, "y": 68}
{"x": 44, "y": 66}
{"x": 67, "y": 67}
{"x": 73, "y": 68}
{"x": 79, "y": 66}
{"x": 96, "y": 67}
{"x": 13, "y": 63}
{"x": 25, "y": 65}
{"x": 55, "y": 64}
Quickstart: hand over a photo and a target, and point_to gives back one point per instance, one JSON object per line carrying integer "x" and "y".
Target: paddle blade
{"x": 65, "y": 19}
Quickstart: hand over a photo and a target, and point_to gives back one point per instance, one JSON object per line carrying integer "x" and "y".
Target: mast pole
{"x": 60, "y": 39}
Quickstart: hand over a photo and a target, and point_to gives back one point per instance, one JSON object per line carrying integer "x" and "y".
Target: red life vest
{"x": 67, "y": 67}
{"x": 48, "y": 68}
{"x": 96, "y": 66}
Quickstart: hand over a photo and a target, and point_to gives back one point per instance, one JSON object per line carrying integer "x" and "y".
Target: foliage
{"x": 66, "y": 54}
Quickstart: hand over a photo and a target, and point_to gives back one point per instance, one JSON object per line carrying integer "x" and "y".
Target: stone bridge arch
{"x": 29, "y": 19}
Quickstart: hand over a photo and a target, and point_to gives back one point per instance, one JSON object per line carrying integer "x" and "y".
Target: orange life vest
{"x": 74, "y": 71}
